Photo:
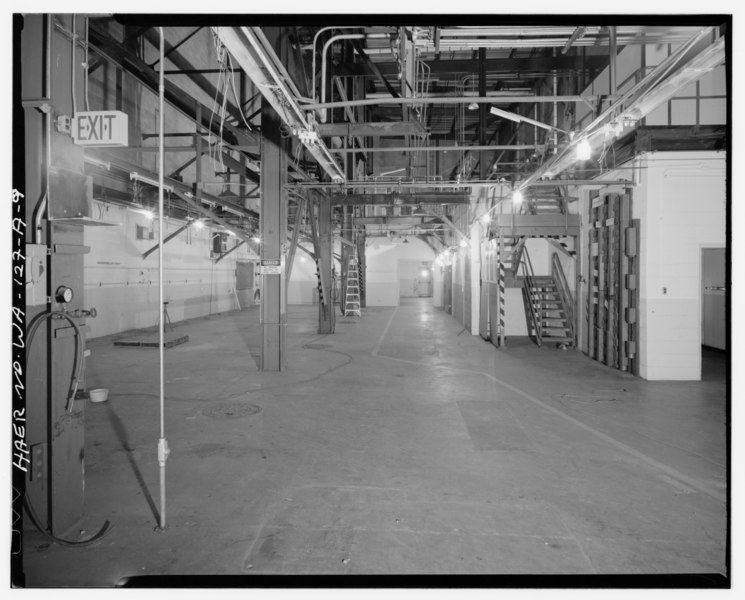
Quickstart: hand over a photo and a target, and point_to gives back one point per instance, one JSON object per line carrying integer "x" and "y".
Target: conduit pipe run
{"x": 331, "y": 40}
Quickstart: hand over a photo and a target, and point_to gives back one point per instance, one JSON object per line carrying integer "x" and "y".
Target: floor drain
{"x": 231, "y": 411}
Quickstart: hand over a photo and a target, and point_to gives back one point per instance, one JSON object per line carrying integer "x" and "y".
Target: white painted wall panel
{"x": 123, "y": 287}
{"x": 681, "y": 200}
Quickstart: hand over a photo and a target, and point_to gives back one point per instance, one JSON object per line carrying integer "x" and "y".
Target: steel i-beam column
{"x": 273, "y": 227}
{"x": 326, "y": 315}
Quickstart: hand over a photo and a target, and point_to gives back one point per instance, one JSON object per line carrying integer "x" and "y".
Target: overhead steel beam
{"x": 293, "y": 241}
{"x": 497, "y": 98}
{"x": 102, "y": 43}
{"x": 445, "y": 148}
{"x": 686, "y": 64}
{"x": 397, "y": 220}
{"x": 373, "y": 67}
{"x": 577, "y": 35}
{"x": 452, "y": 226}
{"x": 178, "y": 186}
{"x": 391, "y": 199}
{"x": 523, "y": 65}
{"x": 166, "y": 240}
{"x": 189, "y": 199}
{"x": 372, "y": 129}
{"x": 233, "y": 249}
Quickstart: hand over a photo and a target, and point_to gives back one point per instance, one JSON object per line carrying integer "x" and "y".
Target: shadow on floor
{"x": 121, "y": 434}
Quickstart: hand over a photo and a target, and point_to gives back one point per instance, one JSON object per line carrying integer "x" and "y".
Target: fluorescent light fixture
{"x": 486, "y": 218}
{"x": 517, "y": 198}
{"x": 584, "y": 150}
{"x": 505, "y": 114}
{"x": 230, "y": 232}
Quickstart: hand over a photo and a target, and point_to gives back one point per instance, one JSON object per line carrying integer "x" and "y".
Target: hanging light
{"x": 463, "y": 242}
{"x": 517, "y": 198}
{"x": 584, "y": 150}
{"x": 256, "y": 239}
{"x": 473, "y": 106}
{"x": 149, "y": 214}
{"x": 486, "y": 218}
{"x": 198, "y": 224}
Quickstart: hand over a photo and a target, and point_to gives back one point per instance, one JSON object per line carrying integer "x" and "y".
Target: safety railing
{"x": 529, "y": 285}
{"x": 565, "y": 293}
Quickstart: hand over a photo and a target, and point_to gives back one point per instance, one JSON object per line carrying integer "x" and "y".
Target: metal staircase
{"x": 548, "y": 305}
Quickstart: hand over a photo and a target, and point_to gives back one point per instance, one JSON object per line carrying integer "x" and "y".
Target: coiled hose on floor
{"x": 77, "y": 369}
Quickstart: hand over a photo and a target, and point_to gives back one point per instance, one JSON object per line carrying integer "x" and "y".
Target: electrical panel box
{"x": 36, "y": 274}
{"x": 71, "y": 194}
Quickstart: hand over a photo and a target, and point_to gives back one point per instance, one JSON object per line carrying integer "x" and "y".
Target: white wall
{"x": 303, "y": 280}
{"x": 123, "y": 287}
{"x": 681, "y": 200}
{"x": 382, "y": 267}
{"x": 700, "y": 103}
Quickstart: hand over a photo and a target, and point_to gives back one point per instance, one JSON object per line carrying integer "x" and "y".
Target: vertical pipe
{"x": 612, "y": 63}
{"x": 482, "y": 113}
{"x": 555, "y": 132}
{"x": 162, "y": 444}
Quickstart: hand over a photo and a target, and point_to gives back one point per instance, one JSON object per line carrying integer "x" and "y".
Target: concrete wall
{"x": 123, "y": 287}
{"x": 681, "y": 201}
{"x": 382, "y": 256}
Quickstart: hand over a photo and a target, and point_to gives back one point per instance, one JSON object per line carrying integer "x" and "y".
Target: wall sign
{"x": 100, "y": 128}
{"x": 270, "y": 266}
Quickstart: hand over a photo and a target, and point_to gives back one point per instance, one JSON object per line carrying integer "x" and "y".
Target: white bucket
{"x": 99, "y": 395}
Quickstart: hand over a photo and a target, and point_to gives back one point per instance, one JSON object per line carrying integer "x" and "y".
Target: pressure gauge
{"x": 63, "y": 294}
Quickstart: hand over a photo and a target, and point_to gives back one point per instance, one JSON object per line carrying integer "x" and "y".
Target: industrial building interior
{"x": 372, "y": 296}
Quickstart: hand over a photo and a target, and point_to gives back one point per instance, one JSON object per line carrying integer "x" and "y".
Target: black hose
{"x": 76, "y": 371}
{"x": 77, "y": 365}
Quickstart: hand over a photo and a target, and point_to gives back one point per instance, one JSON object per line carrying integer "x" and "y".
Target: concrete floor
{"x": 399, "y": 445}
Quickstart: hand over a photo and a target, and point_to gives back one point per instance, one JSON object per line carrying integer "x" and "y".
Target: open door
{"x": 714, "y": 298}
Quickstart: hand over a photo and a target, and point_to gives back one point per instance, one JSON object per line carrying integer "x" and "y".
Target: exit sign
{"x": 100, "y": 128}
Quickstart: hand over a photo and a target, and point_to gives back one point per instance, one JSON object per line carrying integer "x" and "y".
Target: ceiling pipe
{"x": 255, "y": 60}
{"x": 331, "y": 40}
{"x": 495, "y": 99}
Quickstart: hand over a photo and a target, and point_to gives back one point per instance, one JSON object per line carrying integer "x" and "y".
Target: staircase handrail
{"x": 528, "y": 285}
{"x": 565, "y": 293}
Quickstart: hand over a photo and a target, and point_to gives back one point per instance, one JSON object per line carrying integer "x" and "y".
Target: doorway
{"x": 713, "y": 298}
{"x": 244, "y": 282}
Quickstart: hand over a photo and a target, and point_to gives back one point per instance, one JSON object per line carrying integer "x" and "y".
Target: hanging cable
{"x": 76, "y": 375}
